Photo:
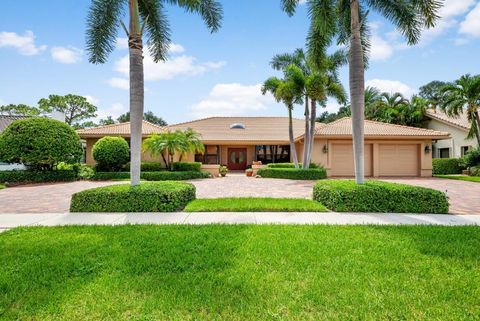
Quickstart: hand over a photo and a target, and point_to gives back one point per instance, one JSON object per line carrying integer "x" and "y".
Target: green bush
{"x": 84, "y": 171}
{"x": 152, "y": 176}
{"x": 446, "y": 166}
{"x": 40, "y": 143}
{"x": 290, "y": 165}
{"x": 293, "y": 173}
{"x": 472, "y": 158}
{"x": 148, "y": 167}
{"x": 377, "y": 196}
{"x": 187, "y": 166}
{"x": 475, "y": 171}
{"x": 25, "y": 177}
{"x": 146, "y": 197}
{"x": 111, "y": 153}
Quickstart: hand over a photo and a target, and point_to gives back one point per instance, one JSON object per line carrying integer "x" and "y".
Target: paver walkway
{"x": 8, "y": 221}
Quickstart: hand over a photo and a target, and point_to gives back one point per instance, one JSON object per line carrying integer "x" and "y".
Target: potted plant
{"x": 249, "y": 172}
{"x": 257, "y": 163}
{"x": 223, "y": 170}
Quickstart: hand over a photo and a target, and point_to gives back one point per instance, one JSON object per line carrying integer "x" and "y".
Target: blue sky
{"x": 42, "y": 52}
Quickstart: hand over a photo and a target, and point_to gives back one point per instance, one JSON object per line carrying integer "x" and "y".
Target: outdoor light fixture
{"x": 427, "y": 149}
{"x": 325, "y": 149}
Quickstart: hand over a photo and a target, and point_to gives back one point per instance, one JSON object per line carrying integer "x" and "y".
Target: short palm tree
{"x": 347, "y": 21}
{"x": 146, "y": 18}
{"x": 193, "y": 142}
{"x": 290, "y": 92}
{"x": 463, "y": 96}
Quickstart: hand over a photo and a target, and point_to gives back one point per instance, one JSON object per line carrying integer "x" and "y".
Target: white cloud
{"x": 178, "y": 66}
{"x": 92, "y": 100}
{"x": 471, "y": 24}
{"x": 390, "y": 86}
{"x": 232, "y": 100}
{"x": 115, "y": 110}
{"x": 122, "y": 42}
{"x": 380, "y": 49}
{"x": 175, "y": 48}
{"x": 64, "y": 55}
{"x": 120, "y": 83}
{"x": 25, "y": 44}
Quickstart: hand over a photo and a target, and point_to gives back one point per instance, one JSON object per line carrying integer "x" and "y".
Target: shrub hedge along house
{"x": 390, "y": 150}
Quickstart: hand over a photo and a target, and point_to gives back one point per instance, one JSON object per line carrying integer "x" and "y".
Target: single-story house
{"x": 457, "y": 145}
{"x": 390, "y": 150}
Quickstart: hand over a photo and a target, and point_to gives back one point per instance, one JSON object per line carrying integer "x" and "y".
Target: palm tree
{"x": 193, "y": 142}
{"x": 146, "y": 18}
{"x": 288, "y": 91}
{"x": 347, "y": 20}
{"x": 464, "y": 96}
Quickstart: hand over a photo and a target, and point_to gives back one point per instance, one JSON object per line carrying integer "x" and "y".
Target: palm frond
{"x": 289, "y": 6}
{"x": 157, "y": 29}
{"x": 210, "y": 10}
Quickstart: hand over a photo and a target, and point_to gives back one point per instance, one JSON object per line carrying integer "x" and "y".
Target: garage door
{"x": 342, "y": 160}
{"x": 398, "y": 160}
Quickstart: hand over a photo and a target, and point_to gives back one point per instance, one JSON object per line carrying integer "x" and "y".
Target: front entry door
{"x": 237, "y": 158}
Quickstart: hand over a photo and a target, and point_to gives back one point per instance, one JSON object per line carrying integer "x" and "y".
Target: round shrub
{"x": 111, "y": 153}
{"x": 40, "y": 143}
{"x": 146, "y": 197}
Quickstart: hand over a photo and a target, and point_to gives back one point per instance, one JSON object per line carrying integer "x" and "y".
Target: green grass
{"x": 253, "y": 204}
{"x": 475, "y": 179}
{"x": 242, "y": 272}
{"x": 2, "y": 186}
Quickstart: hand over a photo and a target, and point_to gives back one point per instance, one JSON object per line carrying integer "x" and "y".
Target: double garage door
{"x": 392, "y": 160}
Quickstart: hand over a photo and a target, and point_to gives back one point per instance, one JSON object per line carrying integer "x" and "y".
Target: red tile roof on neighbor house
{"x": 458, "y": 121}
{"x": 271, "y": 129}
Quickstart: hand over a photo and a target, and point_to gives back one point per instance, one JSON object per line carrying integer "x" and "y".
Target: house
{"x": 457, "y": 145}
{"x": 390, "y": 150}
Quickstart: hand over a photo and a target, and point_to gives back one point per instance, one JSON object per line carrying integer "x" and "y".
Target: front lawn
{"x": 253, "y": 204}
{"x": 2, "y": 186}
{"x": 475, "y": 179}
{"x": 242, "y": 272}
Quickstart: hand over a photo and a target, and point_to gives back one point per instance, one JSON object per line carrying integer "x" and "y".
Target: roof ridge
{"x": 104, "y": 126}
{"x": 218, "y": 117}
{"x": 403, "y": 126}
{"x": 433, "y": 114}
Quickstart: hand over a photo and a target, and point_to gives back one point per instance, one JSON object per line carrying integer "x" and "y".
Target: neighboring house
{"x": 458, "y": 127}
{"x": 390, "y": 150}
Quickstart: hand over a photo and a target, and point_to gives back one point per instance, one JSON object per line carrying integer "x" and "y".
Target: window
{"x": 444, "y": 152}
{"x": 464, "y": 150}
{"x": 211, "y": 156}
{"x": 237, "y": 126}
{"x": 272, "y": 153}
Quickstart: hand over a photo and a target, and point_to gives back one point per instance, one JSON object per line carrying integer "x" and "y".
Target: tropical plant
{"x": 347, "y": 21}
{"x": 169, "y": 143}
{"x": 148, "y": 116}
{"x": 146, "y": 18}
{"x": 75, "y": 108}
{"x": 463, "y": 96}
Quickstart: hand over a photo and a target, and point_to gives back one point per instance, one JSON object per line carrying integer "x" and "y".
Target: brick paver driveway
{"x": 464, "y": 196}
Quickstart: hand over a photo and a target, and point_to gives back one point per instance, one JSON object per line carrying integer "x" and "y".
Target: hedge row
{"x": 146, "y": 197}
{"x": 25, "y": 177}
{"x": 377, "y": 196}
{"x": 290, "y": 165}
{"x": 148, "y": 167}
{"x": 446, "y": 166}
{"x": 152, "y": 176}
{"x": 293, "y": 173}
{"x": 187, "y": 166}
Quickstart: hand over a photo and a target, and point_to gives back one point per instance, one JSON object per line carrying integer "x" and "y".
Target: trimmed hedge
{"x": 293, "y": 173}
{"x": 187, "y": 166}
{"x": 152, "y": 176}
{"x": 290, "y": 165}
{"x": 25, "y": 177}
{"x": 377, "y": 196}
{"x": 148, "y": 167}
{"x": 146, "y": 197}
{"x": 446, "y": 166}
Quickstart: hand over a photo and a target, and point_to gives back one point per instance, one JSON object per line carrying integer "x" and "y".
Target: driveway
{"x": 55, "y": 198}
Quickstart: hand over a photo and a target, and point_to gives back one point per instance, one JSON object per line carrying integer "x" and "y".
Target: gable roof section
{"x": 217, "y": 129}
{"x": 6, "y": 120}
{"x": 343, "y": 128}
{"x": 460, "y": 121}
{"x": 122, "y": 129}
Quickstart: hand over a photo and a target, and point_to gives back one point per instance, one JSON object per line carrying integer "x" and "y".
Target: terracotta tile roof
{"x": 274, "y": 129}
{"x": 6, "y": 120}
{"x": 122, "y": 129}
{"x": 343, "y": 127}
{"x": 460, "y": 121}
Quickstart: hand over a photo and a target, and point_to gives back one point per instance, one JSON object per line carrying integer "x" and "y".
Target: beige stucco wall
{"x": 457, "y": 140}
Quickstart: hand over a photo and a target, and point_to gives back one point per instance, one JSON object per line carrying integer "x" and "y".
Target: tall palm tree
{"x": 290, "y": 92}
{"x": 146, "y": 18}
{"x": 464, "y": 96}
{"x": 347, "y": 20}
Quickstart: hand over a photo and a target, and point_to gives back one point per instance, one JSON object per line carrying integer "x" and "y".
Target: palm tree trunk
{"x": 306, "y": 138}
{"x": 313, "y": 117}
{"x": 293, "y": 152}
{"x": 477, "y": 117}
{"x": 136, "y": 92}
{"x": 357, "y": 92}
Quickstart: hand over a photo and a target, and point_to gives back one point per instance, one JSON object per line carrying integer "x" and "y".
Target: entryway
{"x": 237, "y": 159}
